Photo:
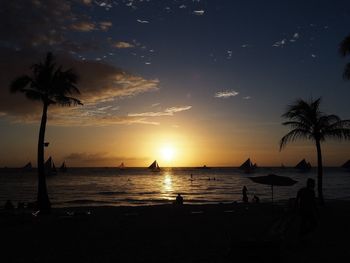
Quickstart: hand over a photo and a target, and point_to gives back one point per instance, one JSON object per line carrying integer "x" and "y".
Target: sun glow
{"x": 167, "y": 153}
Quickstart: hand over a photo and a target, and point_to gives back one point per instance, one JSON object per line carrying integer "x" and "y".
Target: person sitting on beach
{"x": 307, "y": 208}
{"x": 256, "y": 199}
{"x": 245, "y": 194}
{"x": 179, "y": 200}
{"x": 8, "y": 205}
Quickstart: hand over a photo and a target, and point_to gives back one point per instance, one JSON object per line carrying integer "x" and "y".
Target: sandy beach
{"x": 191, "y": 233}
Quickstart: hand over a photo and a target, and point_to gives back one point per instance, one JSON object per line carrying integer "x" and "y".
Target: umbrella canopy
{"x": 273, "y": 179}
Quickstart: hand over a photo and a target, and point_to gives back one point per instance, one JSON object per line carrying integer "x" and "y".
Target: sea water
{"x": 139, "y": 186}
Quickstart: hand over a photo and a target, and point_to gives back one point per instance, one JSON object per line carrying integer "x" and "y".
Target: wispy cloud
{"x": 101, "y": 85}
{"x": 167, "y": 112}
{"x": 295, "y": 37}
{"x": 122, "y": 44}
{"x": 226, "y": 94}
{"x": 105, "y": 25}
{"x": 83, "y": 26}
{"x": 280, "y": 43}
{"x": 199, "y": 12}
{"x": 142, "y": 21}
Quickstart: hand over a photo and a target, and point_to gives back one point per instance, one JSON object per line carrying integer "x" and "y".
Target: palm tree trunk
{"x": 319, "y": 172}
{"x": 44, "y": 204}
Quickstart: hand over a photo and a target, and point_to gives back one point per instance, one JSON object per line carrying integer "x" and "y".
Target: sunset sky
{"x": 186, "y": 82}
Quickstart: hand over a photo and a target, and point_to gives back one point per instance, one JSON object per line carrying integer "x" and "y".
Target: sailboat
{"x": 154, "y": 167}
{"x": 63, "y": 167}
{"x": 248, "y": 166}
{"x": 121, "y": 166}
{"x": 303, "y": 166}
{"x": 27, "y": 167}
{"x": 50, "y": 168}
{"x": 346, "y": 165}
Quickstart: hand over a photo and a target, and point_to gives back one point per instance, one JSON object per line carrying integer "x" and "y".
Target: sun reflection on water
{"x": 167, "y": 185}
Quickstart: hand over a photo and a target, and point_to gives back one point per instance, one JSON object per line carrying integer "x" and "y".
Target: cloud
{"x": 199, "y": 12}
{"x": 142, "y": 21}
{"x": 45, "y": 24}
{"x": 247, "y": 98}
{"x": 122, "y": 44}
{"x": 87, "y": 2}
{"x": 226, "y": 94}
{"x": 83, "y": 26}
{"x": 99, "y": 84}
{"x": 280, "y": 43}
{"x": 295, "y": 37}
{"x": 167, "y": 112}
{"x": 246, "y": 45}
{"x": 105, "y": 25}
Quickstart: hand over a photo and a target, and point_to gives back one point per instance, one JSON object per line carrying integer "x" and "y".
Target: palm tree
{"x": 344, "y": 50}
{"x": 306, "y": 121}
{"x": 50, "y": 84}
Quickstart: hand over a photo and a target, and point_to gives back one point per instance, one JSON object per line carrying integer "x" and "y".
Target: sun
{"x": 167, "y": 153}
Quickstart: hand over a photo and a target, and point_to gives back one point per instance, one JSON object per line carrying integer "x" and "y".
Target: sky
{"x": 186, "y": 82}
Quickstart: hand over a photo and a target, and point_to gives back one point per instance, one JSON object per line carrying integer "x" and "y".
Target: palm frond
{"x": 338, "y": 134}
{"x": 346, "y": 72}
{"x": 67, "y": 101}
{"x": 296, "y": 124}
{"x": 33, "y": 95}
{"x": 344, "y": 47}
{"x": 20, "y": 83}
{"x": 294, "y": 135}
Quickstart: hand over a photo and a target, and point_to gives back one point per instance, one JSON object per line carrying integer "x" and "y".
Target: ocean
{"x": 139, "y": 186}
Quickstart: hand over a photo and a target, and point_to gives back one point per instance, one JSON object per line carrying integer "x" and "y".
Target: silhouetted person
{"x": 307, "y": 208}
{"x": 256, "y": 199}
{"x": 9, "y": 205}
{"x": 179, "y": 200}
{"x": 245, "y": 194}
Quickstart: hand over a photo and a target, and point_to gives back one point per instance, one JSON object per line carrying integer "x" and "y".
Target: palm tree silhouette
{"x": 344, "y": 50}
{"x": 306, "y": 121}
{"x": 50, "y": 84}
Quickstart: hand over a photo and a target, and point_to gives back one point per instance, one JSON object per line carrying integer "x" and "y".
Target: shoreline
{"x": 168, "y": 233}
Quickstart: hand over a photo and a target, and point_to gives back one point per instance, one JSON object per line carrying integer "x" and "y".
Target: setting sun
{"x": 167, "y": 153}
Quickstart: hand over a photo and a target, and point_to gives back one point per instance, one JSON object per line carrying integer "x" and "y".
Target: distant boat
{"x": 63, "y": 167}
{"x": 50, "y": 168}
{"x": 154, "y": 167}
{"x": 303, "y": 166}
{"x": 121, "y": 166}
{"x": 248, "y": 166}
{"x": 346, "y": 165}
{"x": 27, "y": 167}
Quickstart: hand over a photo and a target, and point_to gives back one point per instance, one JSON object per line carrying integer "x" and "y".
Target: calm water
{"x": 138, "y": 186}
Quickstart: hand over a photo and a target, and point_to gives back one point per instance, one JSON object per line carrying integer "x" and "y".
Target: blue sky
{"x": 190, "y": 65}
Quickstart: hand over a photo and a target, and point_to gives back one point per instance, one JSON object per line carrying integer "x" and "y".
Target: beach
{"x": 167, "y": 233}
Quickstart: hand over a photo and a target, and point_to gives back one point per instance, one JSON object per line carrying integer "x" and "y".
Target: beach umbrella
{"x": 272, "y": 180}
